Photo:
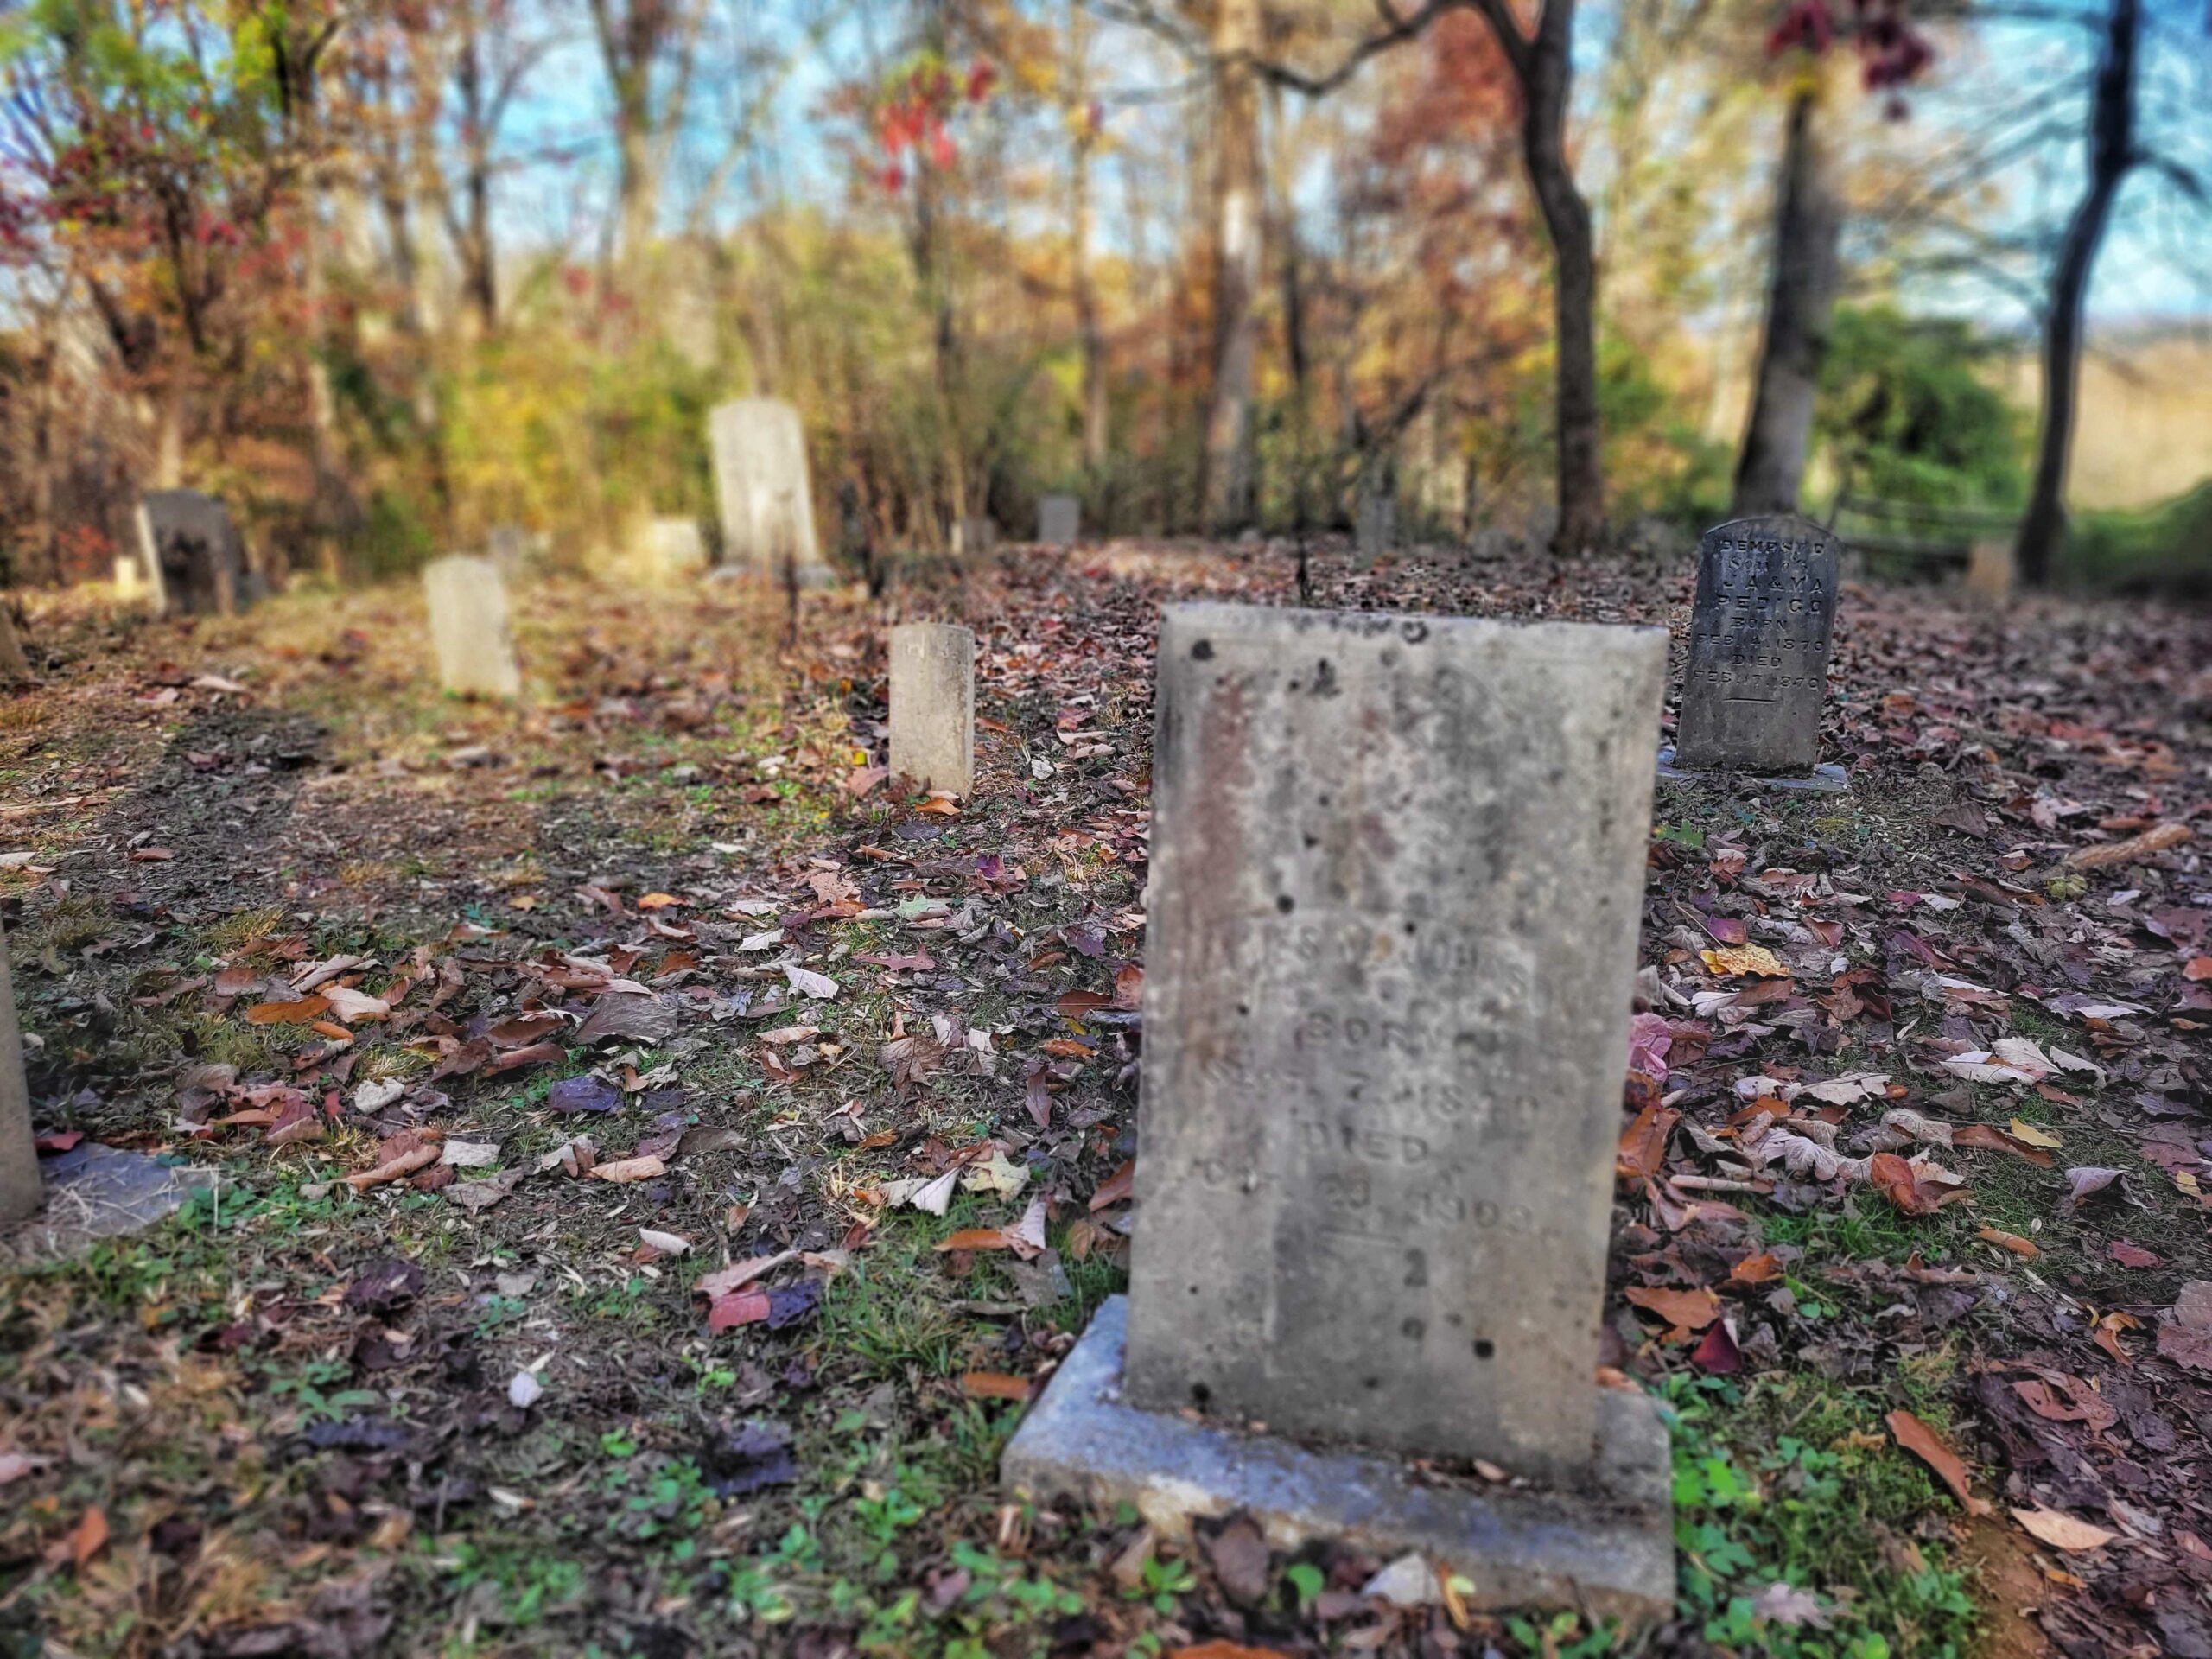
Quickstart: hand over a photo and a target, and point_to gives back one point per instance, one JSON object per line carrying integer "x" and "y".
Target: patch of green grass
{"x": 885, "y": 1315}
{"x": 1791, "y": 1481}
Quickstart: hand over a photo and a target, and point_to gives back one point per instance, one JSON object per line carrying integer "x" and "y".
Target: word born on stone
{"x": 1397, "y": 872}
{"x": 1760, "y": 627}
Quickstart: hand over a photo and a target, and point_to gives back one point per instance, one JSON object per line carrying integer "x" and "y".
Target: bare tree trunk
{"x": 1230, "y": 488}
{"x": 169, "y": 412}
{"x": 1297, "y": 354}
{"x": 1808, "y": 235}
{"x": 1546, "y": 68}
{"x": 2112, "y": 153}
{"x": 479, "y": 276}
{"x": 1088, "y": 331}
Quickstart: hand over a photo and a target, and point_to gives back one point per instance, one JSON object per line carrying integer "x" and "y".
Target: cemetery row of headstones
{"x": 1395, "y": 887}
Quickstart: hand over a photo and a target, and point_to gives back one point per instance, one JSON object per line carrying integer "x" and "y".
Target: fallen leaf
{"x": 524, "y": 1390}
{"x": 725, "y": 1281}
{"x": 976, "y": 1238}
{"x": 2060, "y": 1530}
{"x": 994, "y": 1385}
{"x": 1116, "y": 1187}
{"x": 1737, "y": 959}
{"x": 2021, "y": 1130}
{"x": 1925, "y": 1444}
{"x": 398, "y": 1161}
{"x": 2156, "y": 840}
{"x": 1685, "y": 1310}
{"x": 629, "y": 1169}
{"x": 473, "y": 1196}
{"x": 810, "y": 983}
{"x": 287, "y": 1014}
{"x": 2129, "y": 1254}
{"x": 2012, "y": 1241}
{"x": 1643, "y": 1143}
{"x": 1755, "y": 1269}
{"x": 88, "y": 1537}
{"x": 1907, "y": 1187}
{"x": 2082, "y": 1181}
{"x": 666, "y": 1243}
{"x": 348, "y": 1006}
{"x": 587, "y": 1093}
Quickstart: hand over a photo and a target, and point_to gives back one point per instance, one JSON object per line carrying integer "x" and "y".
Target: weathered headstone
{"x": 1375, "y": 522}
{"x": 469, "y": 628}
{"x": 675, "y": 548}
{"x": 933, "y": 705}
{"x": 1990, "y": 571}
{"x": 762, "y": 489}
{"x": 507, "y": 546}
{"x": 1397, "y": 874}
{"x": 976, "y": 534}
{"x": 1060, "y": 520}
{"x": 1760, "y": 623}
{"x": 19, "y": 1178}
{"x": 195, "y": 563}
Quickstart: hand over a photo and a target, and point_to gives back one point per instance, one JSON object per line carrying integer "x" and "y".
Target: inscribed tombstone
{"x": 1398, "y": 864}
{"x": 1760, "y": 626}
{"x": 195, "y": 563}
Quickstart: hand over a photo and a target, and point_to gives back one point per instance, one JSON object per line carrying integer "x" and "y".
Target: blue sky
{"x": 2156, "y": 263}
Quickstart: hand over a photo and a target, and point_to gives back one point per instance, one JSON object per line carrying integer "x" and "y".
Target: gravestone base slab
{"x": 1827, "y": 779}
{"x": 1610, "y": 1552}
{"x": 95, "y": 1192}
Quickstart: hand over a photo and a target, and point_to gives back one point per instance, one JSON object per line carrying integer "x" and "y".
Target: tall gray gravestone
{"x": 1060, "y": 520}
{"x": 469, "y": 628}
{"x": 1758, "y": 674}
{"x": 195, "y": 563}
{"x": 1398, "y": 866}
{"x": 933, "y": 705}
{"x": 763, "y": 491}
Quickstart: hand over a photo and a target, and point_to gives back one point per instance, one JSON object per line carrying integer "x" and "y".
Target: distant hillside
{"x": 2145, "y": 430}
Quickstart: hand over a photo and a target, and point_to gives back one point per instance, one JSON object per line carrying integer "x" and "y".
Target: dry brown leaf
{"x": 2060, "y": 1530}
{"x": 1731, "y": 960}
{"x": 2154, "y": 839}
{"x": 1685, "y": 1310}
{"x": 88, "y": 1537}
{"x": 1643, "y": 1143}
{"x": 2012, "y": 1241}
{"x": 976, "y": 1238}
{"x": 287, "y": 1013}
{"x": 1927, "y": 1444}
{"x": 994, "y": 1385}
{"x": 629, "y": 1169}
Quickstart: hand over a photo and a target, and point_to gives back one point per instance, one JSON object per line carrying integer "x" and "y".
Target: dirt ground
{"x": 658, "y": 1153}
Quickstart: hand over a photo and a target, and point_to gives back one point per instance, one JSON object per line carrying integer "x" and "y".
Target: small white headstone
{"x": 933, "y": 705}
{"x": 469, "y": 628}
{"x": 763, "y": 489}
